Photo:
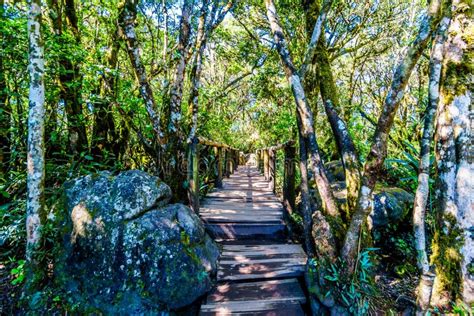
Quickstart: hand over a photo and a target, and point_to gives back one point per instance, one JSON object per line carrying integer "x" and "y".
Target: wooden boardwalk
{"x": 259, "y": 269}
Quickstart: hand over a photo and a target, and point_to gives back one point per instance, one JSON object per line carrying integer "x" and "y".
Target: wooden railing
{"x": 222, "y": 160}
{"x": 267, "y": 163}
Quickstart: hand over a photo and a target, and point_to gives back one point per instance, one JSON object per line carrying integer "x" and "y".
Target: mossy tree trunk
{"x": 453, "y": 245}
{"x": 70, "y": 77}
{"x": 378, "y": 150}
{"x": 128, "y": 15}
{"x": 203, "y": 33}
{"x": 422, "y": 191}
{"x": 173, "y": 115}
{"x": 308, "y": 142}
{"x": 104, "y": 136}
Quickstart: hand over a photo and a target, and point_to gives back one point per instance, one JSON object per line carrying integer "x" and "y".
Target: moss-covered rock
{"x": 391, "y": 205}
{"x": 125, "y": 252}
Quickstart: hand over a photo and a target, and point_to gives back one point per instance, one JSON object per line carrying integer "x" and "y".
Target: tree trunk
{"x": 70, "y": 78}
{"x": 453, "y": 246}
{"x": 344, "y": 142}
{"x": 174, "y": 115}
{"x": 128, "y": 15}
{"x": 304, "y": 112}
{"x": 306, "y": 207}
{"x": 204, "y": 32}
{"x": 104, "y": 133}
{"x": 200, "y": 46}
{"x": 36, "y": 145}
{"x": 324, "y": 80}
{"x": 378, "y": 151}
{"x": 422, "y": 191}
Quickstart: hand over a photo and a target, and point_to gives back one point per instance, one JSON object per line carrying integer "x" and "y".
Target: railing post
{"x": 236, "y": 159}
{"x": 219, "y": 157}
{"x": 193, "y": 175}
{"x": 257, "y": 158}
{"x": 226, "y": 163}
{"x": 272, "y": 169}
{"x": 289, "y": 195}
{"x": 232, "y": 161}
{"x": 266, "y": 164}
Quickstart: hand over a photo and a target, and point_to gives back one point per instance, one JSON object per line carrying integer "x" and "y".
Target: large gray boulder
{"x": 390, "y": 204}
{"x": 125, "y": 251}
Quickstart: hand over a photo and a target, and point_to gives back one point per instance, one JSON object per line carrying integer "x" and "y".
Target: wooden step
{"x": 258, "y": 267}
{"x": 238, "y": 205}
{"x": 241, "y": 218}
{"x": 245, "y": 211}
{"x": 247, "y": 262}
{"x": 244, "y": 231}
{"x": 274, "y": 297}
{"x": 275, "y": 290}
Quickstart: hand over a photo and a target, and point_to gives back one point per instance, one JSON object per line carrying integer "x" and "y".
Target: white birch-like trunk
{"x": 422, "y": 191}
{"x": 453, "y": 250}
{"x": 378, "y": 150}
{"x": 304, "y": 112}
{"x": 176, "y": 92}
{"x": 36, "y": 150}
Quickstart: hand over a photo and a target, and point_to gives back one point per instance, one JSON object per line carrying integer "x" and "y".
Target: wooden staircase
{"x": 259, "y": 270}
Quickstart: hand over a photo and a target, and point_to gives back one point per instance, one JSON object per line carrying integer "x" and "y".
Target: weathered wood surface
{"x": 258, "y": 268}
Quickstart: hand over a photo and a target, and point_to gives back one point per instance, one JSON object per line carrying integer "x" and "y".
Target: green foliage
{"x": 18, "y": 272}
{"x": 244, "y": 100}
{"x": 405, "y": 168}
{"x": 355, "y": 293}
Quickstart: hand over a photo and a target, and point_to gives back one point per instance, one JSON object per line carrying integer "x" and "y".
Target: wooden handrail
{"x": 227, "y": 160}
{"x": 208, "y": 142}
{"x": 280, "y": 146}
{"x": 266, "y": 162}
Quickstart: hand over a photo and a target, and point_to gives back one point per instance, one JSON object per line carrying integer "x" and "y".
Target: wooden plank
{"x": 241, "y": 260}
{"x": 246, "y": 215}
{"x": 231, "y": 204}
{"x": 246, "y": 211}
{"x": 272, "y": 249}
{"x": 249, "y": 271}
{"x": 230, "y": 200}
{"x": 248, "y": 306}
{"x": 237, "y": 205}
{"x": 246, "y": 231}
{"x": 242, "y": 219}
{"x": 264, "y": 290}
{"x": 240, "y": 193}
{"x": 255, "y": 308}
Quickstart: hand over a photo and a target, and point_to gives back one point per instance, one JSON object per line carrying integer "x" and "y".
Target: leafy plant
{"x": 18, "y": 273}
{"x": 354, "y": 292}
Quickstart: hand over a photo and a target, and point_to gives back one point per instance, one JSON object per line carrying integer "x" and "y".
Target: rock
{"x": 335, "y": 171}
{"x": 126, "y": 252}
{"x": 391, "y": 205}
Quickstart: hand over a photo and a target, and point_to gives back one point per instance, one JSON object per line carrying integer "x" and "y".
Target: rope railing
{"x": 266, "y": 159}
